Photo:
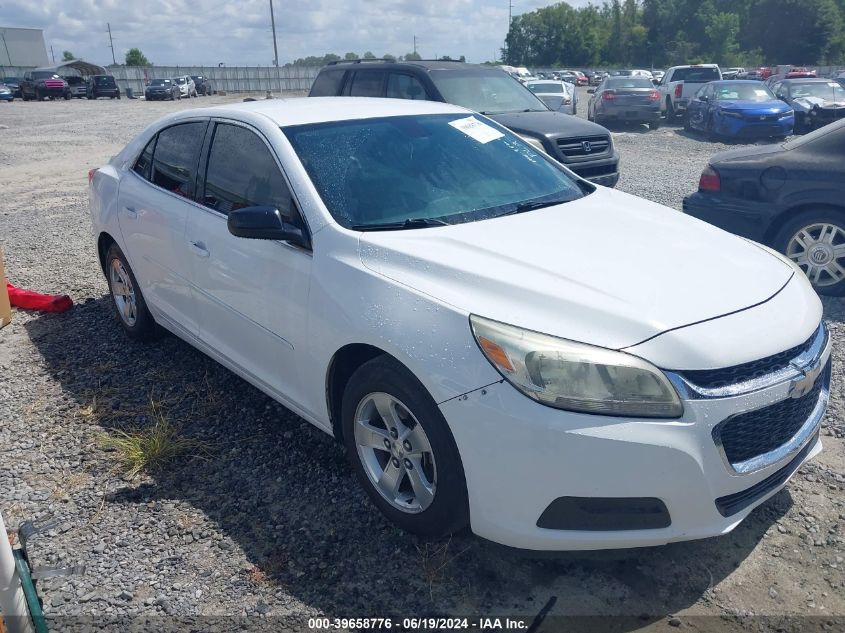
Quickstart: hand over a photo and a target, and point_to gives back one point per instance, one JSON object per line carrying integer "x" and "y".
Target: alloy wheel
{"x": 819, "y": 250}
{"x": 395, "y": 453}
{"x": 123, "y": 293}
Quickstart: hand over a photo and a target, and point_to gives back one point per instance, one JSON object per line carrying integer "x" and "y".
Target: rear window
{"x": 327, "y": 84}
{"x": 104, "y": 80}
{"x": 630, "y": 82}
{"x": 696, "y": 75}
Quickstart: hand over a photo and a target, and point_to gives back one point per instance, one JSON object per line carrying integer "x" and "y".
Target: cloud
{"x": 238, "y": 31}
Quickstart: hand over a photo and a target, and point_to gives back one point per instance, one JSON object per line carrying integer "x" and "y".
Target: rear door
{"x": 153, "y": 206}
{"x": 251, "y": 293}
{"x": 366, "y": 83}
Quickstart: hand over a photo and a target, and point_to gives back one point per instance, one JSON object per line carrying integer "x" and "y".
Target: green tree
{"x": 67, "y": 56}
{"x": 369, "y": 55}
{"x": 389, "y": 57}
{"x": 134, "y": 57}
{"x": 350, "y": 57}
{"x": 795, "y": 31}
{"x": 413, "y": 57}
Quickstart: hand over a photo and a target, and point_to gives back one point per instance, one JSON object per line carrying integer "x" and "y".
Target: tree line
{"x": 314, "y": 60}
{"x": 659, "y": 33}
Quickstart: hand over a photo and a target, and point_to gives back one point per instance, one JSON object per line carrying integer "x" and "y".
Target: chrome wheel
{"x": 819, "y": 249}
{"x": 395, "y": 452}
{"x": 123, "y": 292}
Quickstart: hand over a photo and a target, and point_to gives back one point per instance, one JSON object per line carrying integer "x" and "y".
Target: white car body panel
{"x": 609, "y": 269}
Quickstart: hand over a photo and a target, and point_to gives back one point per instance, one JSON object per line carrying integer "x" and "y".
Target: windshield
{"x": 180, "y": 80}
{"x": 822, "y": 89}
{"x": 548, "y": 87}
{"x": 631, "y": 82}
{"x": 622, "y": 73}
{"x": 160, "y": 82}
{"x": 742, "y": 92}
{"x": 45, "y": 75}
{"x": 488, "y": 92}
{"x": 696, "y": 75}
{"x": 444, "y": 168}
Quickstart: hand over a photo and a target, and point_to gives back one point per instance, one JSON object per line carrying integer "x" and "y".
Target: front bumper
{"x": 520, "y": 458}
{"x": 749, "y": 128}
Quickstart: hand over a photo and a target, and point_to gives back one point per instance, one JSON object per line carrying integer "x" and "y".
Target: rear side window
{"x": 144, "y": 163}
{"x": 367, "y": 83}
{"x": 242, "y": 173}
{"x": 327, "y": 84}
{"x": 175, "y": 158}
{"x": 401, "y": 86}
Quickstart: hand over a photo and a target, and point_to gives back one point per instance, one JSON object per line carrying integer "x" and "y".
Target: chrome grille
{"x": 583, "y": 146}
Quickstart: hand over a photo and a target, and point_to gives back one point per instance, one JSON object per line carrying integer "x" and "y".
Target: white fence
{"x": 228, "y": 78}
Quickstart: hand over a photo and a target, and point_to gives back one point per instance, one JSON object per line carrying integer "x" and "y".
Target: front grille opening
{"x": 583, "y": 146}
{"x": 755, "y": 433}
{"x": 605, "y": 514}
{"x": 725, "y": 377}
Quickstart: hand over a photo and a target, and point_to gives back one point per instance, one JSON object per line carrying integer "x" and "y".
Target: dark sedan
{"x": 629, "y": 99}
{"x": 816, "y": 102}
{"x": 789, "y": 196}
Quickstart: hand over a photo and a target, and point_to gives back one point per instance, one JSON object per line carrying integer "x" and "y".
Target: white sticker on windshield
{"x": 476, "y": 129}
{"x": 760, "y": 93}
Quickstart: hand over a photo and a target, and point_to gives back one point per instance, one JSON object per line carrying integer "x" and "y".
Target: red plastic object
{"x": 29, "y": 300}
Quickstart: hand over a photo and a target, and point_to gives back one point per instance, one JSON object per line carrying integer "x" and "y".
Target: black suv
{"x": 203, "y": 85}
{"x": 102, "y": 86}
{"x": 585, "y": 148}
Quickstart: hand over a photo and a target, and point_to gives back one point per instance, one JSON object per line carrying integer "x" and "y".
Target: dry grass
{"x": 149, "y": 448}
{"x": 435, "y": 559}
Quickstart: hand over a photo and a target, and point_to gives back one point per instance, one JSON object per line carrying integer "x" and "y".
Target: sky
{"x": 207, "y": 32}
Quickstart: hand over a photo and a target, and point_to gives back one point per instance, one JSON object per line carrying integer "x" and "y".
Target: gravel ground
{"x": 266, "y": 526}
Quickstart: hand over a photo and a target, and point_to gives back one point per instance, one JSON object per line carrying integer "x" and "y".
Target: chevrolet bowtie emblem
{"x": 803, "y": 384}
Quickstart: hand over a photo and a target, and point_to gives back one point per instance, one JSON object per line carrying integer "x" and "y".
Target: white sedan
{"x": 497, "y": 342}
{"x": 557, "y": 95}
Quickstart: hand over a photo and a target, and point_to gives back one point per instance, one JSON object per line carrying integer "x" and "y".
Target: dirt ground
{"x": 268, "y": 526}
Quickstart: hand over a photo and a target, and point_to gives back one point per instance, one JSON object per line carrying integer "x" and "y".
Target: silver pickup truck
{"x": 679, "y": 85}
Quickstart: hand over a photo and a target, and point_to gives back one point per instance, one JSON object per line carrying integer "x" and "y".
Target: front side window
{"x": 242, "y": 173}
{"x": 367, "y": 83}
{"x": 487, "y": 92}
{"x": 401, "y": 86}
{"x": 449, "y": 168}
{"x": 175, "y": 158}
{"x": 143, "y": 166}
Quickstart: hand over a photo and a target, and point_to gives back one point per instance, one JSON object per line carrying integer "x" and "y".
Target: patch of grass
{"x": 434, "y": 561}
{"x": 149, "y": 448}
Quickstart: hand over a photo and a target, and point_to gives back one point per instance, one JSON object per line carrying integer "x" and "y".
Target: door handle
{"x": 131, "y": 213}
{"x": 199, "y": 249}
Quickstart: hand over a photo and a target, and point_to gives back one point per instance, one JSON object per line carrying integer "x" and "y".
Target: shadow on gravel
{"x": 282, "y": 492}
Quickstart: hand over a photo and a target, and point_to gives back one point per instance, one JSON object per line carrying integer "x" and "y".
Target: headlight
{"x": 733, "y": 115}
{"x": 574, "y": 376}
{"x": 783, "y": 115}
{"x": 533, "y": 142}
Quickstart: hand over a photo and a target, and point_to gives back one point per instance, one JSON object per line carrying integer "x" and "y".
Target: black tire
{"x": 67, "y": 97}
{"x": 687, "y": 124}
{"x": 670, "y": 111}
{"x": 654, "y": 125}
{"x": 449, "y": 510}
{"x": 822, "y": 215}
{"x": 144, "y": 327}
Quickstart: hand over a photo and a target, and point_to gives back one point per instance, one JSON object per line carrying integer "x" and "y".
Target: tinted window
{"x": 545, "y": 88}
{"x": 145, "y": 160}
{"x": 104, "y": 80}
{"x": 696, "y": 75}
{"x": 404, "y": 87}
{"x": 367, "y": 83}
{"x": 454, "y": 167}
{"x": 175, "y": 158}
{"x": 327, "y": 83}
{"x": 242, "y": 173}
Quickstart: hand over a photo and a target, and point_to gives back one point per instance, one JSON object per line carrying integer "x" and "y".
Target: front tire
{"x": 654, "y": 125}
{"x": 127, "y": 299}
{"x": 670, "y": 111}
{"x": 815, "y": 240}
{"x": 402, "y": 450}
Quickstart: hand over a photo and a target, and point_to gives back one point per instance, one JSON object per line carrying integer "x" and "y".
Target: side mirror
{"x": 265, "y": 223}
{"x": 655, "y": 82}
{"x": 704, "y": 98}
{"x": 591, "y": 91}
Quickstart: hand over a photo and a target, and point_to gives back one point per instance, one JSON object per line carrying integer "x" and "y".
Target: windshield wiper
{"x": 410, "y": 223}
{"x": 532, "y": 205}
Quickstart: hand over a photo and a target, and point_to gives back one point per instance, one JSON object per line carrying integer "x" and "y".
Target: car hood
{"x": 808, "y": 103}
{"x": 609, "y": 269}
{"x": 548, "y": 123}
{"x": 762, "y": 107}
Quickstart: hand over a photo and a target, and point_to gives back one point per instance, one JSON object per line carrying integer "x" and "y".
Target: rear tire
{"x": 654, "y": 125}
{"x": 806, "y": 228}
{"x": 127, "y": 300}
{"x": 384, "y": 445}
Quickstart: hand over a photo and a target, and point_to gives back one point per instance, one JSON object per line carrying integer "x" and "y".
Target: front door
{"x": 251, "y": 294}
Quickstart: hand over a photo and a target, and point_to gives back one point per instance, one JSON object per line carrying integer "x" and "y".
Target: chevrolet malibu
{"x": 497, "y": 342}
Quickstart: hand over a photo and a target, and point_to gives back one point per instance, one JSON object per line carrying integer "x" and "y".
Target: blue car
{"x": 6, "y": 93}
{"x": 739, "y": 109}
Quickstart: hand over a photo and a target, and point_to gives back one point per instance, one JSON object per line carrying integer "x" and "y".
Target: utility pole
{"x": 52, "y": 54}
{"x": 415, "y": 44}
{"x": 111, "y": 43}
{"x": 273, "y": 24}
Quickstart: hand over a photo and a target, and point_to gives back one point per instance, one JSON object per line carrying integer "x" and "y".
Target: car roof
{"x": 738, "y": 81}
{"x": 425, "y": 64}
{"x": 305, "y": 110}
{"x": 805, "y": 80}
